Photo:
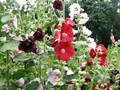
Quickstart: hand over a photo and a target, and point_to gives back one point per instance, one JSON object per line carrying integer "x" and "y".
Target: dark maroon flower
{"x": 83, "y": 87}
{"x": 39, "y": 34}
{"x": 69, "y": 82}
{"x": 28, "y": 45}
{"x": 87, "y": 79}
{"x": 57, "y": 4}
{"x": 114, "y": 72}
{"x": 75, "y": 49}
{"x": 31, "y": 38}
{"x": 89, "y": 62}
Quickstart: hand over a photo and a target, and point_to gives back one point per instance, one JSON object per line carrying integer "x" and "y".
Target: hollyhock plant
{"x": 88, "y": 79}
{"x": 5, "y": 28}
{"x": 114, "y": 72}
{"x": 21, "y": 3}
{"x": 101, "y": 50}
{"x": 54, "y": 77}
{"x": 102, "y": 60}
{"x": 68, "y": 71}
{"x": 39, "y": 34}
{"x": 28, "y": 45}
{"x": 74, "y": 10}
{"x": 83, "y": 18}
{"x": 66, "y": 33}
{"x": 69, "y": 21}
{"x": 21, "y": 82}
{"x": 86, "y": 31}
{"x": 55, "y": 39}
{"x": 57, "y": 4}
{"x": 92, "y": 53}
{"x": 91, "y": 43}
{"x": 89, "y": 62}
{"x": 112, "y": 38}
{"x": 15, "y": 21}
{"x": 2, "y": 1}
{"x": 64, "y": 51}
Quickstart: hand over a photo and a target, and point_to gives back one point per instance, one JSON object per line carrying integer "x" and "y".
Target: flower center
{"x": 64, "y": 34}
{"x": 63, "y": 50}
{"x": 76, "y": 9}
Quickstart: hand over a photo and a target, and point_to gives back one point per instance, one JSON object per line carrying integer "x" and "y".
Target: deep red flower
{"x": 101, "y": 50}
{"x": 64, "y": 51}
{"x": 39, "y": 34}
{"x": 57, "y": 4}
{"x": 66, "y": 33}
{"x": 92, "y": 53}
{"x": 94, "y": 87}
{"x": 108, "y": 85}
{"x": 102, "y": 60}
{"x": 28, "y": 45}
{"x": 55, "y": 26}
{"x": 55, "y": 39}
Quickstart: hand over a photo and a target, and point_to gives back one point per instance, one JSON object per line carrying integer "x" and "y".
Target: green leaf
{"x": 32, "y": 86}
{"x": 22, "y": 57}
{"x": 1, "y": 8}
{"x": 11, "y": 45}
{"x": 5, "y": 19}
{"x": 18, "y": 74}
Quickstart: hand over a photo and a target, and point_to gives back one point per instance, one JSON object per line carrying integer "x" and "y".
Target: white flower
{"x": 68, "y": 71}
{"x": 54, "y": 77}
{"x": 83, "y": 18}
{"x": 91, "y": 43}
{"x": 15, "y": 21}
{"x": 86, "y": 31}
{"x": 21, "y": 82}
{"x": 32, "y": 2}
{"x": 5, "y": 28}
{"x": 2, "y": 1}
{"x": 75, "y": 8}
{"x": 21, "y": 3}
{"x": 90, "y": 39}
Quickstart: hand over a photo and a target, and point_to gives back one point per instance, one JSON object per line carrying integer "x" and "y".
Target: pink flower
{"x": 112, "y": 38}
{"x": 5, "y": 28}
{"x": 54, "y": 77}
{"x": 15, "y": 21}
{"x": 21, "y": 82}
